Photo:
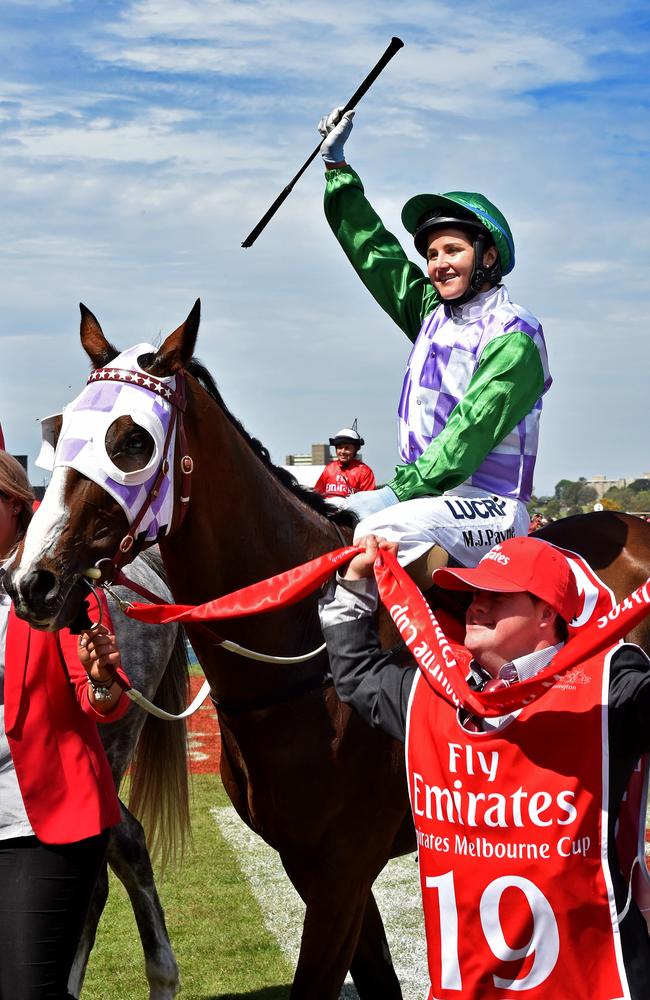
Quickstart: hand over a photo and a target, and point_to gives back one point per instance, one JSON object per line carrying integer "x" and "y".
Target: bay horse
{"x": 155, "y": 751}
{"x": 302, "y": 770}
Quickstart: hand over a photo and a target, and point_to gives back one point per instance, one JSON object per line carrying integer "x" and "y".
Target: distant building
{"x": 307, "y": 468}
{"x": 601, "y": 483}
{"x": 320, "y": 455}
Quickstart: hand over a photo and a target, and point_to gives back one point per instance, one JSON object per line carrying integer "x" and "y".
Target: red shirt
{"x": 337, "y": 480}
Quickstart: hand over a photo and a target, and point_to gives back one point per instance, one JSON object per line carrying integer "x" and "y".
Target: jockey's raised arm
{"x": 468, "y": 414}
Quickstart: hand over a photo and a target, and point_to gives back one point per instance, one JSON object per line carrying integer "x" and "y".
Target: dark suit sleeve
{"x": 629, "y": 700}
{"x": 367, "y": 677}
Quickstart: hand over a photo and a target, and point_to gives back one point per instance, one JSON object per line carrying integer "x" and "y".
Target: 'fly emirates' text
{"x": 458, "y": 806}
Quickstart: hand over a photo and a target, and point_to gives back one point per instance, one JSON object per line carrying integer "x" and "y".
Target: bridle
{"x": 110, "y": 569}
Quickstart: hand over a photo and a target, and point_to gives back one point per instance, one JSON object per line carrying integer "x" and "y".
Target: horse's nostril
{"x": 39, "y": 587}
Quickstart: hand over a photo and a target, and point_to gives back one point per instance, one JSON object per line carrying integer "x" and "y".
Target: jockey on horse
{"x": 471, "y": 400}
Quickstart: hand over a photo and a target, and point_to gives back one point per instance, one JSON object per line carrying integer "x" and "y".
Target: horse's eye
{"x": 129, "y": 446}
{"x": 136, "y": 442}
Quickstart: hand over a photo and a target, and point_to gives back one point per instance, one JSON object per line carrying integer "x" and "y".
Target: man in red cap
{"x": 515, "y": 816}
{"x": 523, "y": 597}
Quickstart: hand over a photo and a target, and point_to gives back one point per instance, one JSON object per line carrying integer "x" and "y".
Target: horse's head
{"x": 113, "y": 479}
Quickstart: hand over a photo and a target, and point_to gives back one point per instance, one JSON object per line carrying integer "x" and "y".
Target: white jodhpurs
{"x": 466, "y": 522}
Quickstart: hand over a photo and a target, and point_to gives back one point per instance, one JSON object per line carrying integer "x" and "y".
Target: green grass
{"x": 221, "y": 943}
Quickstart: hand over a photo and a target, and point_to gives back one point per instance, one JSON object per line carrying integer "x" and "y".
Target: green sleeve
{"x": 398, "y": 285}
{"x": 506, "y": 385}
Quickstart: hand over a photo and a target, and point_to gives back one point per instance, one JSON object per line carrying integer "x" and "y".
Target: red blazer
{"x": 63, "y": 773}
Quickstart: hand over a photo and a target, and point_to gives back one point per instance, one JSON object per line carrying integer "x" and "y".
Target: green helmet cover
{"x": 474, "y": 208}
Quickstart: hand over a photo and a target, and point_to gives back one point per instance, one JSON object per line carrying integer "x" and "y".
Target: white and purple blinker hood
{"x": 86, "y": 421}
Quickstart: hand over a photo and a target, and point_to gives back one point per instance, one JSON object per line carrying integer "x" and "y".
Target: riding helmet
{"x": 347, "y": 435}
{"x": 466, "y": 209}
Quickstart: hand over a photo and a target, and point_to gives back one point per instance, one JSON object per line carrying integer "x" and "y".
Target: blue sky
{"x": 141, "y": 141}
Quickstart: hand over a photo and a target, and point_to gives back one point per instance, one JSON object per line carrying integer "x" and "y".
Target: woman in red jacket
{"x": 57, "y": 797}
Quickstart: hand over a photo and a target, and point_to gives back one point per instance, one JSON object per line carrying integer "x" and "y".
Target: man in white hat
{"x": 345, "y": 475}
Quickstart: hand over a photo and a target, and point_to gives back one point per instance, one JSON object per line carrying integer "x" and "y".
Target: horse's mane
{"x": 309, "y": 497}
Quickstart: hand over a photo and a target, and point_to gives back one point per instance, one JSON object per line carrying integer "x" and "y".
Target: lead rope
{"x": 622, "y": 915}
{"x": 132, "y": 693}
{"x": 148, "y": 706}
{"x": 232, "y": 647}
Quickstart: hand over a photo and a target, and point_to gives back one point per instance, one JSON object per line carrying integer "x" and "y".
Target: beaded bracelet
{"x": 101, "y": 689}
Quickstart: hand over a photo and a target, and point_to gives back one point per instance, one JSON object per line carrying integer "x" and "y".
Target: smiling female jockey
{"x": 471, "y": 399}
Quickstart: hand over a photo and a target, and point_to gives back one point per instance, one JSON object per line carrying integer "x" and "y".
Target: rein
{"x": 232, "y": 647}
{"x": 204, "y": 691}
{"x": 254, "y": 704}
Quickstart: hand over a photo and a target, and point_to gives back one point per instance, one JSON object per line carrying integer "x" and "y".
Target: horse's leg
{"x": 129, "y": 859}
{"x": 329, "y": 937}
{"x": 335, "y": 921}
{"x": 95, "y": 910}
{"x": 372, "y": 966}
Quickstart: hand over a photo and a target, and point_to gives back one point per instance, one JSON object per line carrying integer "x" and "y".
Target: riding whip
{"x": 395, "y": 45}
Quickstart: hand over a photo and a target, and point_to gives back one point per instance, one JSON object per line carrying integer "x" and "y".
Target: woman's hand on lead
{"x": 98, "y": 651}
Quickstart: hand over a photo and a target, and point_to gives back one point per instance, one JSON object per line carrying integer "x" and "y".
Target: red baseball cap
{"x": 518, "y": 565}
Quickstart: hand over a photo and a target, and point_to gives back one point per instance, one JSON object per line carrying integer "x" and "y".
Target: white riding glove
{"x": 335, "y": 131}
{"x": 370, "y": 501}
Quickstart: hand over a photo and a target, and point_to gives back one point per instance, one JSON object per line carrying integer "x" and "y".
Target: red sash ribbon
{"x": 443, "y": 663}
{"x": 279, "y": 591}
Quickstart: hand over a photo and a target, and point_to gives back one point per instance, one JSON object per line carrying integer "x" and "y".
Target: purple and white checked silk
{"x": 82, "y": 442}
{"x": 442, "y": 362}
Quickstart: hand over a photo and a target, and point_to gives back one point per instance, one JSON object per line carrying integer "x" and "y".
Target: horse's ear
{"x": 178, "y": 347}
{"x": 93, "y": 341}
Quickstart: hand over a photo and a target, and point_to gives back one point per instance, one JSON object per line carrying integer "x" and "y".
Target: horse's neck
{"x": 208, "y": 563}
{"x": 241, "y": 517}
{"x": 237, "y": 531}
{"x": 228, "y": 542}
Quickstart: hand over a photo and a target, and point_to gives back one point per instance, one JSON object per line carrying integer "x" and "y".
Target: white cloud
{"x": 43, "y": 4}
{"x": 471, "y": 72}
{"x": 590, "y": 268}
